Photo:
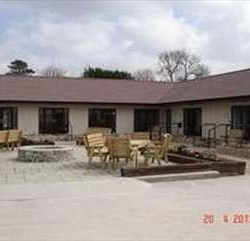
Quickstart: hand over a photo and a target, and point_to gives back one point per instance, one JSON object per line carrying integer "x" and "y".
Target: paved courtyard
{"x": 126, "y": 209}
{"x": 13, "y": 171}
{"x": 76, "y": 201}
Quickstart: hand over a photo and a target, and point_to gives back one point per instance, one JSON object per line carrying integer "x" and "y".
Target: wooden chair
{"x": 140, "y": 136}
{"x": 86, "y": 144}
{"x": 157, "y": 152}
{"x": 119, "y": 147}
{"x": 13, "y": 139}
{"x": 165, "y": 146}
{"x": 3, "y": 138}
{"x": 92, "y": 130}
{"x": 152, "y": 152}
{"x": 95, "y": 146}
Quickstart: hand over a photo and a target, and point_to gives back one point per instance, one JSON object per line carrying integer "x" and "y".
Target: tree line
{"x": 173, "y": 66}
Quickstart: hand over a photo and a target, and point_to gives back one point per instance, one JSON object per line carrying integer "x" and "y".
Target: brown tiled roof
{"x": 83, "y": 90}
{"x": 226, "y": 85}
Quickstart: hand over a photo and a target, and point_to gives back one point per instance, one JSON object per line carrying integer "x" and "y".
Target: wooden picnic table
{"x": 137, "y": 145}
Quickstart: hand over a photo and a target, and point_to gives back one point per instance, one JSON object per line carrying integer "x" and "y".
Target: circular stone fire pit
{"x": 45, "y": 153}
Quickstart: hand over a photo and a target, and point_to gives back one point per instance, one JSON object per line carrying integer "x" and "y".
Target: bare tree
{"x": 53, "y": 71}
{"x": 144, "y": 75}
{"x": 179, "y": 65}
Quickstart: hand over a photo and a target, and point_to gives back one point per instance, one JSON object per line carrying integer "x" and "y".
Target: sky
{"x": 126, "y": 35}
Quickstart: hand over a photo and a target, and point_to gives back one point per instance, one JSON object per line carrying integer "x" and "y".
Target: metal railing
{"x": 213, "y": 125}
{"x": 226, "y": 130}
{"x": 214, "y": 130}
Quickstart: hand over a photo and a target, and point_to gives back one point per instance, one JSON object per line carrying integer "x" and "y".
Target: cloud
{"x": 125, "y": 35}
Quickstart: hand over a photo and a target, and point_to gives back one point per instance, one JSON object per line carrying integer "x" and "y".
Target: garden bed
{"x": 183, "y": 159}
{"x": 186, "y": 164}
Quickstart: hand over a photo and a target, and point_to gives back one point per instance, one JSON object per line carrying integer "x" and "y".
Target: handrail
{"x": 208, "y": 124}
{"x": 202, "y": 126}
{"x": 209, "y": 135}
{"x": 214, "y": 129}
{"x": 226, "y": 125}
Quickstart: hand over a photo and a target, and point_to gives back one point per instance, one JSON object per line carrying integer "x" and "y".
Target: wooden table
{"x": 136, "y": 145}
{"x": 139, "y": 143}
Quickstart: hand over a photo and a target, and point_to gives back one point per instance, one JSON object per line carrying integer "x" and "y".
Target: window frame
{"x": 12, "y": 119}
{"x": 93, "y": 122}
{"x": 48, "y": 128}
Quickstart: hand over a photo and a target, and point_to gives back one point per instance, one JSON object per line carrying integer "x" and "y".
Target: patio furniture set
{"x": 134, "y": 147}
{"x": 113, "y": 147}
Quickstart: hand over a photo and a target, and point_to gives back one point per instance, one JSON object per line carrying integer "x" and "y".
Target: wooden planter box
{"x": 188, "y": 164}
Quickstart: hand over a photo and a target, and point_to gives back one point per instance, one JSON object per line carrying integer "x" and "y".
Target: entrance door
{"x": 192, "y": 121}
{"x": 169, "y": 121}
{"x": 241, "y": 119}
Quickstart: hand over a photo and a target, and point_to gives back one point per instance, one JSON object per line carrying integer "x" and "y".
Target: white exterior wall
{"x": 28, "y": 116}
{"x": 125, "y": 120}
{"x": 217, "y": 112}
{"x": 78, "y": 117}
{"x": 212, "y": 112}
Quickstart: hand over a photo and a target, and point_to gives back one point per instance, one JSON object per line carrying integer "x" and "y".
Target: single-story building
{"x": 42, "y": 105}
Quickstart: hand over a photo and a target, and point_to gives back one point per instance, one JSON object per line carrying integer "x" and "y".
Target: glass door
{"x": 192, "y": 121}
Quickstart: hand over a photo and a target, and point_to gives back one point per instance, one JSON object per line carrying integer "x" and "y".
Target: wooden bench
{"x": 3, "y": 138}
{"x": 10, "y": 138}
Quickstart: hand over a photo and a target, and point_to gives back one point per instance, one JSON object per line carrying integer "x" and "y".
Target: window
{"x": 8, "y": 118}
{"x": 102, "y": 118}
{"x": 241, "y": 119}
{"x": 192, "y": 121}
{"x": 145, "y": 119}
{"x": 53, "y": 120}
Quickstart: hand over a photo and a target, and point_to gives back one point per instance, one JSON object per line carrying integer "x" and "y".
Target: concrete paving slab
{"x": 45, "y": 201}
{"x": 125, "y": 209}
{"x": 13, "y": 171}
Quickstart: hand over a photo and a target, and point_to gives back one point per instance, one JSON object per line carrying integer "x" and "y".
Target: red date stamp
{"x": 237, "y": 218}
